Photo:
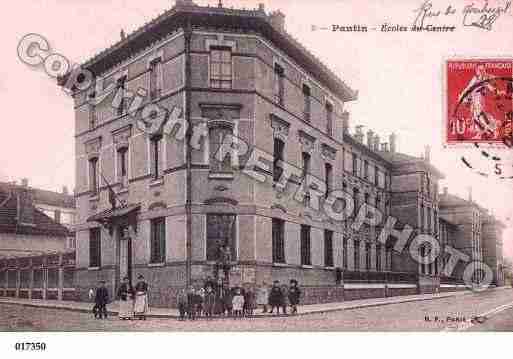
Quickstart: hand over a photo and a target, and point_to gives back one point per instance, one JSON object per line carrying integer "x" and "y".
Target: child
{"x": 191, "y": 303}
{"x": 181, "y": 300}
{"x": 237, "y": 303}
{"x": 262, "y": 296}
{"x": 294, "y": 294}
{"x": 209, "y": 302}
{"x": 249, "y": 302}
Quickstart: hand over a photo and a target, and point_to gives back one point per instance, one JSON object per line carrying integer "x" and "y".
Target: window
{"x": 344, "y": 253}
{"x": 123, "y": 166}
{"x": 356, "y": 255}
{"x": 121, "y": 92}
{"x": 435, "y": 216}
{"x": 376, "y": 176}
{"x": 279, "y": 83}
{"x": 422, "y": 254}
{"x": 221, "y": 68}
{"x": 328, "y": 248}
{"x": 158, "y": 240}
{"x": 155, "y": 149}
{"x": 95, "y": 248}
{"x": 307, "y": 102}
{"x": 279, "y": 146}
{"x": 305, "y": 245}
{"x": 93, "y": 118}
{"x": 422, "y": 217}
{"x": 367, "y": 256}
{"x": 221, "y": 234}
{"x": 57, "y": 216}
{"x": 389, "y": 259}
{"x": 378, "y": 202}
{"x": 329, "y": 119}
{"x": 155, "y": 78}
{"x": 355, "y": 164}
{"x": 278, "y": 240}
{"x": 93, "y": 175}
{"x": 305, "y": 157}
{"x": 366, "y": 170}
{"x": 216, "y": 137}
{"x": 429, "y": 220}
{"x": 328, "y": 172}
{"x": 356, "y": 198}
{"x": 378, "y": 257}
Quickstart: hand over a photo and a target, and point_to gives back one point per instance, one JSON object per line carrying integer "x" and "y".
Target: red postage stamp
{"x": 479, "y": 101}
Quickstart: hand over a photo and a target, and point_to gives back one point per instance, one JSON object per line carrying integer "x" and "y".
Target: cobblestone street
{"x": 394, "y": 317}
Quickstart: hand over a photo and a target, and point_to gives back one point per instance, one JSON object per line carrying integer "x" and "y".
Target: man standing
{"x": 101, "y": 299}
{"x": 141, "y": 298}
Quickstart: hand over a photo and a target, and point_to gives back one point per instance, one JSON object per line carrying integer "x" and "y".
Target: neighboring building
{"x": 26, "y": 230}
{"x": 178, "y": 208}
{"x": 491, "y": 231}
{"x": 476, "y": 233}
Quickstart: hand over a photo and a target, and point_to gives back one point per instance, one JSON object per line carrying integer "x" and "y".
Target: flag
{"x": 112, "y": 194}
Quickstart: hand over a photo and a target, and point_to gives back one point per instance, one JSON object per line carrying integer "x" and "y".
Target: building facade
{"x": 163, "y": 204}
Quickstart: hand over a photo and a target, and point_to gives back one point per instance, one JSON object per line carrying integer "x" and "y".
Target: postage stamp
{"x": 478, "y": 101}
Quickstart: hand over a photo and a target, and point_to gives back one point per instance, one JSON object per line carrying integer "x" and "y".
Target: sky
{"x": 398, "y": 76}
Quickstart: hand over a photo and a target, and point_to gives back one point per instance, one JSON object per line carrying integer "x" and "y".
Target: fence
{"x": 49, "y": 276}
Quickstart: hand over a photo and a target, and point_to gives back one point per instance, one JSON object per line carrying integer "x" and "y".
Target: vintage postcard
{"x": 254, "y": 166}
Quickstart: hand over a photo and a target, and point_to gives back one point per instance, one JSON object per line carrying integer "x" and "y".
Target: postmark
{"x": 479, "y": 102}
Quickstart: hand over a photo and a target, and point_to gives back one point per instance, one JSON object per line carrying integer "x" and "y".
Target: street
{"x": 455, "y": 313}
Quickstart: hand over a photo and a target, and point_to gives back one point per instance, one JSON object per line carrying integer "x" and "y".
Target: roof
{"x": 398, "y": 158}
{"x": 111, "y": 213}
{"x": 365, "y": 149}
{"x": 43, "y": 225}
{"x": 46, "y": 197}
{"x": 250, "y": 20}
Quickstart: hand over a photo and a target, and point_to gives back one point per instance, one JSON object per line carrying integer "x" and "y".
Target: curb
{"x": 319, "y": 311}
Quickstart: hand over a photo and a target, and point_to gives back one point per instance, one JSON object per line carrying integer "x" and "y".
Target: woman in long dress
{"x": 141, "y": 298}
{"x": 126, "y": 302}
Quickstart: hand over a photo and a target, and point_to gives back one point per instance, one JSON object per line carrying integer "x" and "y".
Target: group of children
{"x": 237, "y": 302}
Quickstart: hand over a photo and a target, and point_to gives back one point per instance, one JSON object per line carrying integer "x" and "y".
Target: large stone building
{"x": 177, "y": 208}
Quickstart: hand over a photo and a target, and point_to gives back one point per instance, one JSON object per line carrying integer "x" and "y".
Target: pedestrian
{"x": 294, "y": 295}
{"x": 249, "y": 301}
{"x": 126, "y": 302}
{"x": 284, "y": 298}
{"x": 182, "y": 302}
{"x": 209, "y": 302}
{"x": 141, "y": 298}
{"x": 262, "y": 296}
{"x": 209, "y": 282}
{"x": 101, "y": 299}
{"x": 227, "y": 301}
{"x": 238, "y": 303}
{"x": 200, "y": 299}
{"x": 191, "y": 303}
{"x": 275, "y": 297}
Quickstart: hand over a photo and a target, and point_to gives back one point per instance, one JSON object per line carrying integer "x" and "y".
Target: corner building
{"x": 231, "y": 72}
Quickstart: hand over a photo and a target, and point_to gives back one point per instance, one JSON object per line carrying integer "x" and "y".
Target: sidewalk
{"x": 303, "y": 309}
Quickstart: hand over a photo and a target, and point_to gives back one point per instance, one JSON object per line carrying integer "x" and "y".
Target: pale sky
{"x": 398, "y": 76}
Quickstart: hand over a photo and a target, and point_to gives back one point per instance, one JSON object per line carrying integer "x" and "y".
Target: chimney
{"x": 393, "y": 143}
{"x": 446, "y": 191}
{"x": 376, "y": 142}
{"x": 24, "y": 182}
{"x": 277, "y": 19}
{"x": 65, "y": 190}
{"x": 261, "y": 7}
{"x": 122, "y": 34}
{"x": 345, "y": 123}
{"x": 185, "y": 3}
{"x": 470, "y": 194}
{"x": 25, "y": 205}
{"x": 427, "y": 154}
{"x": 359, "y": 133}
{"x": 370, "y": 138}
